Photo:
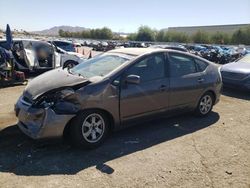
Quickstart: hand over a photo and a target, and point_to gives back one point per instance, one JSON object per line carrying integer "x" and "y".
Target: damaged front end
{"x": 65, "y": 101}
{"x": 47, "y": 116}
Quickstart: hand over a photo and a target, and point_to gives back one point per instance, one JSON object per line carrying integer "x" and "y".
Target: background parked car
{"x": 217, "y": 54}
{"x": 33, "y": 55}
{"x": 237, "y": 74}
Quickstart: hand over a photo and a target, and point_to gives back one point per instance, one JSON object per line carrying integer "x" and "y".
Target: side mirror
{"x": 133, "y": 79}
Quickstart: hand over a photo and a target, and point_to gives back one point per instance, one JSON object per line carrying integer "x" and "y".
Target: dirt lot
{"x": 177, "y": 152}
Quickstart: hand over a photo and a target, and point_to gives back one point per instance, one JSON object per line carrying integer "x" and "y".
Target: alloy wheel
{"x": 206, "y": 104}
{"x": 93, "y": 128}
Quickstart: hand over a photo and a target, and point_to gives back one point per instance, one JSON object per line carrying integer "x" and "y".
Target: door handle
{"x": 163, "y": 88}
{"x": 200, "y": 80}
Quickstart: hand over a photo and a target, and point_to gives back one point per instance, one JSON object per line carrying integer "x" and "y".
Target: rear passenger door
{"x": 186, "y": 80}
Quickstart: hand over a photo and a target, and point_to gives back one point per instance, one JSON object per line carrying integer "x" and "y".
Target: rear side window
{"x": 67, "y": 46}
{"x": 181, "y": 65}
{"x": 201, "y": 65}
{"x": 60, "y": 43}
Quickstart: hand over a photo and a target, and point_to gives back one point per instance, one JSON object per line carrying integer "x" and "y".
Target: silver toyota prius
{"x": 115, "y": 89}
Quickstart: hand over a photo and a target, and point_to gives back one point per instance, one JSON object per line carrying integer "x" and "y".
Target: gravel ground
{"x": 182, "y": 151}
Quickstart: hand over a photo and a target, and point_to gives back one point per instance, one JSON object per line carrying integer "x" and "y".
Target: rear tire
{"x": 205, "y": 105}
{"x": 89, "y": 129}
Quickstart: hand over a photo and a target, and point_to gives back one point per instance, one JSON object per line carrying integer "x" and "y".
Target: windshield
{"x": 245, "y": 59}
{"x": 99, "y": 66}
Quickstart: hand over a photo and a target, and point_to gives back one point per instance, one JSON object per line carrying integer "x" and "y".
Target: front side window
{"x": 150, "y": 68}
{"x": 181, "y": 65}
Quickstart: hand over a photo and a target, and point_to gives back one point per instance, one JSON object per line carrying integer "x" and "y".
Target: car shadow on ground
{"x": 235, "y": 93}
{"x": 23, "y": 156}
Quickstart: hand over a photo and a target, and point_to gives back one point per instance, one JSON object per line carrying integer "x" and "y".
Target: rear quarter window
{"x": 201, "y": 65}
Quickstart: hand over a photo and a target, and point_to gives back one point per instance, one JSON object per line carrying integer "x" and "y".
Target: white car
{"x": 33, "y": 55}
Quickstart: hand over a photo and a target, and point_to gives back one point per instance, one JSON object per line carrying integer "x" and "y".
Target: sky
{"x": 121, "y": 16}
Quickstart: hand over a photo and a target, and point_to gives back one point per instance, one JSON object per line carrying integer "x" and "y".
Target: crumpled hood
{"x": 237, "y": 67}
{"x": 50, "y": 80}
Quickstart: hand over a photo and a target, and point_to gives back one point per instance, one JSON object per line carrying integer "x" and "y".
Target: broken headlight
{"x": 50, "y": 99}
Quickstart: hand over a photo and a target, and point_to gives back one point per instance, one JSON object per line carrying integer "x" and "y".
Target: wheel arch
{"x": 108, "y": 114}
{"x": 70, "y": 61}
{"x": 212, "y": 93}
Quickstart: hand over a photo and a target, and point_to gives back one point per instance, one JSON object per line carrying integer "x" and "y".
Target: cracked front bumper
{"x": 40, "y": 123}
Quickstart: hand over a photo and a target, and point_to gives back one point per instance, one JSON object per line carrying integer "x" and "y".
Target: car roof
{"x": 136, "y": 51}
{"x": 143, "y": 51}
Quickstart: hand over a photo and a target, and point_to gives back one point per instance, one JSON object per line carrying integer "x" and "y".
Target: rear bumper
{"x": 39, "y": 123}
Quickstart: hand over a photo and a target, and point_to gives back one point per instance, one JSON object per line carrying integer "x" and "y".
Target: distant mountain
{"x": 54, "y": 30}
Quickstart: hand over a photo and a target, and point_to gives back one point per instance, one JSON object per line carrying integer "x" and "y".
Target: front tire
{"x": 89, "y": 129}
{"x": 205, "y": 105}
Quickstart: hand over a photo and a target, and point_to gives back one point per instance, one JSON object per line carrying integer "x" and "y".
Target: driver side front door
{"x": 151, "y": 94}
